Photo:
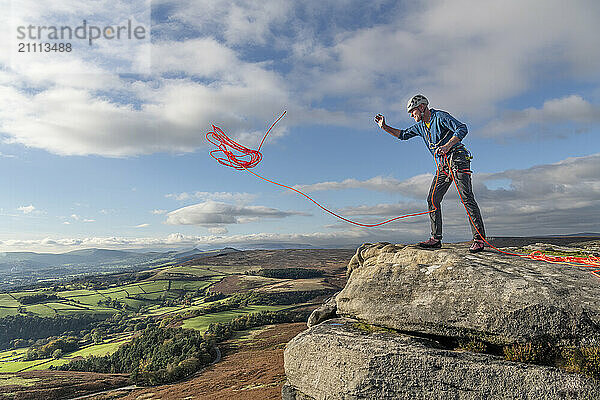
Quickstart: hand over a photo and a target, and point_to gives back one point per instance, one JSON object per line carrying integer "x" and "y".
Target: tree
{"x": 96, "y": 336}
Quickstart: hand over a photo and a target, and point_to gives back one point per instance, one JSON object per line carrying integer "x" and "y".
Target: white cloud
{"x": 80, "y": 218}
{"x": 216, "y": 196}
{"x": 26, "y": 209}
{"x": 237, "y": 22}
{"x": 466, "y": 55}
{"x": 142, "y": 226}
{"x": 117, "y": 54}
{"x": 385, "y": 210}
{"x": 215, "y": 213}
{"x": 550, "y": 118}
{"x": 158, "y": 212}
{"x": 415, "y": 186}
{"x": 558, "y": 198}
{"x": 179, "y": 197}
{"x": 158, "y": 115}
{"x": 368, "y": 58}
{"x": 218, "y": 230}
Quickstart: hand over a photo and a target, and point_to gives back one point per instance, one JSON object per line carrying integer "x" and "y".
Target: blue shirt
{"x": 442, "y": 127}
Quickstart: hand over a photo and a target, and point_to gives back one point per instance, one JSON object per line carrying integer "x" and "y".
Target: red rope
{"x": 248, "y": 158}
{"x": 230, "y": 159}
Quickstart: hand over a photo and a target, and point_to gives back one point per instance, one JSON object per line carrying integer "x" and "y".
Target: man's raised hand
{"x": 380, "y": 120}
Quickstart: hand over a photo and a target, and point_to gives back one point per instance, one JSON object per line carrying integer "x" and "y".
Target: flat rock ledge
{"x": 338, "y": 360}
{"x": 488, "y": 296}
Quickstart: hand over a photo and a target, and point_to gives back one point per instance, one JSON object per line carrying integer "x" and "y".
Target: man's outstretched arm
{"x": 380, "y": 120}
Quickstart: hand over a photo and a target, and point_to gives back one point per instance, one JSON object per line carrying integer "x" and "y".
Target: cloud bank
{"x": 546, "y": 199}
{"x": 238, "y": 64}
{"x": 212, "y": 213}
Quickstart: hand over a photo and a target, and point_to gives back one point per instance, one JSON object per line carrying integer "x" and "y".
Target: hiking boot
{"x": 432, "y": 243}
{"x": 477, "y": 246}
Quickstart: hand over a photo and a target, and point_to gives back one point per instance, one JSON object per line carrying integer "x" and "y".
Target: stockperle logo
{"x": 79, "y": 37}
{"x": 85, "y": 31}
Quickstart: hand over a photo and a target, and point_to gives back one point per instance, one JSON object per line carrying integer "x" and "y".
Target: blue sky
{"x": 104, "y": 146}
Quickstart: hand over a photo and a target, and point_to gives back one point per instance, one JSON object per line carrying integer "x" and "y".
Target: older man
{"x": 442, "y": 134}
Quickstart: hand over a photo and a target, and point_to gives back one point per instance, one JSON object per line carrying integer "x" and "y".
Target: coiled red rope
{"x": 247, "y": 158}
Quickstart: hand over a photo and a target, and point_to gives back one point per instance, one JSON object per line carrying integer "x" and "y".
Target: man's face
{"x": 416, "y": 113}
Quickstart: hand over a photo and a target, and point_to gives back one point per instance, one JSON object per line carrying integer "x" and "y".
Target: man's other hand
{"x": 380, "y": 120}
{"x": 443, "y": 149}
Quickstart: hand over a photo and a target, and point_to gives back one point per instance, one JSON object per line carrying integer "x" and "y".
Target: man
{"x": 442, "y": 133}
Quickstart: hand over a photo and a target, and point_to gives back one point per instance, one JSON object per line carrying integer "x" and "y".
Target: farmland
{"x": 202, "y": 322}
{"x": 115, "y": 309}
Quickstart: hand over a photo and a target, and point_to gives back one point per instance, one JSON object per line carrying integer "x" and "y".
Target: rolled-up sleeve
{"x": 458, "y": 128}
{"x": 408, "y": 133}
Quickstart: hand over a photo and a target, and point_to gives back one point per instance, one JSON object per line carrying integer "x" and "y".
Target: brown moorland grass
{"x": 58, "y": 385}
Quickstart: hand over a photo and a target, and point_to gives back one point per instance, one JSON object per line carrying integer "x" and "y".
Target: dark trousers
{"x": 439, "y": 186}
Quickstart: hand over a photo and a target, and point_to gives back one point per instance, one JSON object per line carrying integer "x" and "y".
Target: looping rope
{"x": 227, "y": 146}
{"x": 224, "y": 143}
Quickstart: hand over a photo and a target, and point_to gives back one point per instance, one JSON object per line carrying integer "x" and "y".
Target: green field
{"x": 5, "y": 312}
{"x": 99, "y": 349}
{"x": 194, "y": 285}
{"x": 10, "y": 362}
{"x": 158, "y": 310}
{"x": 135, "y": 295}
{"x": 7, "y": 300}
{"x": 198, "y": 304}
{"x": 202, "y": 322}
{"x": 45, "y": 364}
{"x": 11, "y": 380}
{"x": 16, "y": 366}
{"x": 11, "y": 355}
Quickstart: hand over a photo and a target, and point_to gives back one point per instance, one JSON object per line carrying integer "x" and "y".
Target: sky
{"x": 104, "y": 145}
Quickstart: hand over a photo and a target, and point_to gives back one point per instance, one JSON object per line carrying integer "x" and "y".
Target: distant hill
{"x": 21, "y": 268}
{"x": 290, "y": 245}
{"x": 275, "y": 246}
{"x": 10, "y": 260}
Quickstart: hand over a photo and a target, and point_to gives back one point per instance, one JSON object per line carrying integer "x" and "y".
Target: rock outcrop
{"x": 431, "y": 303}
{"x": 326, "y": 311}
{"x": 336, "y": 360}
{"x": 453, "y": 293}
